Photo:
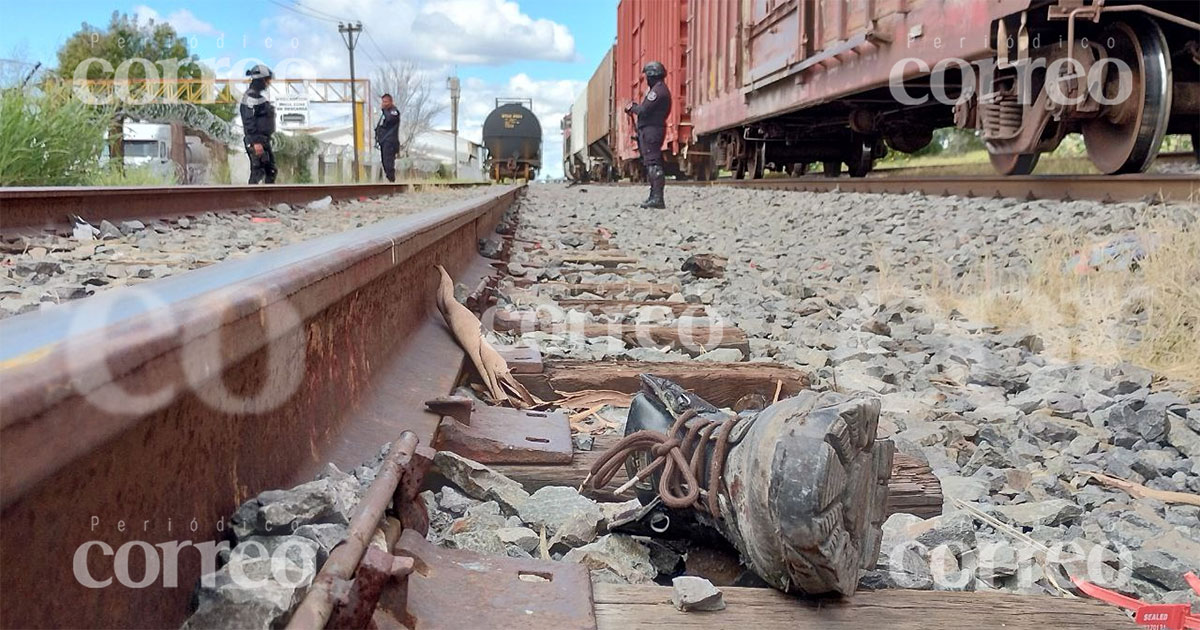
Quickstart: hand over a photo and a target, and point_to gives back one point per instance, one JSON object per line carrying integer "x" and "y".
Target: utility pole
{"x": 350, "y": 34}
{"x": 452, "y": 83}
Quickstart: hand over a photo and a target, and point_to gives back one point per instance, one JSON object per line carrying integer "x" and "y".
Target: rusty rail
{"x": 51, "y": 207}
{"x": 144, "y": 415}
{"x": 1056, "y": 187}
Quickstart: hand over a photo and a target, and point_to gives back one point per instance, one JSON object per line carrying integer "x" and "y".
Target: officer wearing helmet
{"x": 258, "y": 124}
{"x": 651, "y": 129}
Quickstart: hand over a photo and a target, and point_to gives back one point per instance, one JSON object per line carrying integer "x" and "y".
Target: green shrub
{"x": 292, "y": 155}
{"x": 49, "y": 138}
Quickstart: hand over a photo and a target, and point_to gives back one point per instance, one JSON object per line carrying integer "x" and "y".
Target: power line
{"x": 317, "y": 14}
{"x": 383, "y": 56}
{"x": 315, "y": 10}
{"x": 298, "y": 11}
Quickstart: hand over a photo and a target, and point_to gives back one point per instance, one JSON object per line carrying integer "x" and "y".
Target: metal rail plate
{"x": 453, "y": 588}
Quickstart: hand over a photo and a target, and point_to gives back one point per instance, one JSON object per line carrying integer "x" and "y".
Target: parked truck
{"x": 165, "y": 148}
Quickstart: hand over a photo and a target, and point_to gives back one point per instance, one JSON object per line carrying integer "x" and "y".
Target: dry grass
{"x": 1147, "y": 313}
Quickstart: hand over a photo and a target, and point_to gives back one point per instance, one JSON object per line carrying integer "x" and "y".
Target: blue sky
{"x": 543, "y": 49}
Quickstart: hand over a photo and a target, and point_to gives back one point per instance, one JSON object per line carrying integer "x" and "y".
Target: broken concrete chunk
{"x": 481, "y": 541}
{"x": 576, "y": 530}
{"x": 1050, "y": 513}
{"x": 696, "y": 593}
{"x": 326, "y": 535}
{"x": 320, "y": 204}
{"x": 613, "y": 511}
{"x": 480, "y": 518}
{"x": 108, "y": 230}
{"x": 620, "y": 554}
{"x": 956, "y": 529}
{"x": 246, "y": 593}
{"x": 276, "y": 512}
{"x": 555, "y": 507}
{"x": 480, "y": 482}
{"x": 454, "y": 501}
{"x": 522, "y": 537}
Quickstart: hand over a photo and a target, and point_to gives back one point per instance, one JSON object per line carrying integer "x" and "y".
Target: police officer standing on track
{"x": 258, "y": 124}
{"x": 651, "y": 129}
{"x": 387, "y": 136}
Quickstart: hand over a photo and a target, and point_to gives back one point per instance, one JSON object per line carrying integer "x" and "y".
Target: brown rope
{"x": 680, "y": 459}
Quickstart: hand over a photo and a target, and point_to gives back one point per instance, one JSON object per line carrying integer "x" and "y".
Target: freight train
{"x": 512, "y": 137}
{"x": 775, "y": 85}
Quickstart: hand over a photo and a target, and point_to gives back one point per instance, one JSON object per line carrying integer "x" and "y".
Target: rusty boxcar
{"x": 776, "y": 84}
{"x": 600, "y": 121}
{"x": 655, "y": 30}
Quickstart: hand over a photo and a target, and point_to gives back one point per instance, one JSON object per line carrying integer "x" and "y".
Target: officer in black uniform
{"x": 258, "y": 124}
{"x": 651, "y": 129}
{"x": 387, "y": 136}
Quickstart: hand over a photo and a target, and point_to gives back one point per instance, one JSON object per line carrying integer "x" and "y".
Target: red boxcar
{"x": 781, "y": 83}
{"x": 763, "y": 85}
{"x": 655, "y": 30}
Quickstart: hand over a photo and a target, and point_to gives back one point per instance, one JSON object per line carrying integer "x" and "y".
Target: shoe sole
{"x": 808, "y": 490}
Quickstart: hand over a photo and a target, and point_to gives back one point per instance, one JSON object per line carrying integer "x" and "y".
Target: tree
{"x": 127, "y": 39}
{"x": 412, "y": 90}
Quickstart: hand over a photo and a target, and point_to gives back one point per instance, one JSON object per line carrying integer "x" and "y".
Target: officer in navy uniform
{"x": 387, "y": 136}
{"x": 258, "y": 124}
{"x": 651, "y": 129}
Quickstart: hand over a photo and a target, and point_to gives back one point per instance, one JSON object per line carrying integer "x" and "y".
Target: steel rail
{"x": 1175, "y": 157}
{"x": 1184, "y": 188}
{"x": 145, "y": 414}
{"x": 52, "y": 207}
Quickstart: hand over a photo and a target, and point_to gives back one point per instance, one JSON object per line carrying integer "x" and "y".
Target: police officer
{"x": 258, "y": 124}
{"x": 387, "y": 136}
{"x": 651, "y": 129}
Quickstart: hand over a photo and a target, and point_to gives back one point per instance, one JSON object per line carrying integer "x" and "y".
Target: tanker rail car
{"x": 774, "y": 85}
{"x": 512, "y": 137}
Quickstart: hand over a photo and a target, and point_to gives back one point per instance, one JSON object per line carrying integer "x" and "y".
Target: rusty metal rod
{"x": 314, "y": 611}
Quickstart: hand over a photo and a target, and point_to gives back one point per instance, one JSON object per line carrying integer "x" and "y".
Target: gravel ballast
{"x": 835, "y": 283}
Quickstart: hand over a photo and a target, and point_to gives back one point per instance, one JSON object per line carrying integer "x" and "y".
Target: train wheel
{"x": 758, "y": 160}
{"x": 1014, "y": 163}
{"x": 1126, "y": 137}
{"x": 863, "y": 160}
{"x": 832, "y": 168}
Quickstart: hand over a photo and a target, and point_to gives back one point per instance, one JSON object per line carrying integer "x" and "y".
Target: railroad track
{"x": 1053, "y": 187}
{"x": 181, "y": 398}
{"x": 51, "y": 207}
{"x": 178, "y": 399}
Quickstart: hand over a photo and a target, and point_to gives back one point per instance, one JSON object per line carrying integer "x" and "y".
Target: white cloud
{"x": 488, "y": 31}
{"x": 482, "y": 32}
{"x": 184, "y": 21}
